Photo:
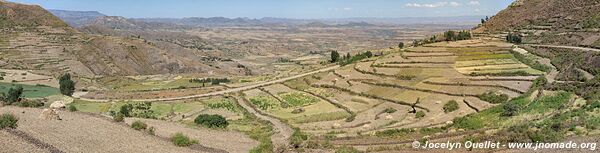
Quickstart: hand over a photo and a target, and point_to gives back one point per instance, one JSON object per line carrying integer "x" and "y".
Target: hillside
{"x": 34, "y": 39}
{"x": 558, "y": 14}
{"x": 12, "y": 14}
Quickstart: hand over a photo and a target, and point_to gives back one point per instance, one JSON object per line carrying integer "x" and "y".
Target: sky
{"x": 299, "y": 9}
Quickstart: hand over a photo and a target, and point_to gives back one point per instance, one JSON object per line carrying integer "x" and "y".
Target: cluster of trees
{"x": 211, "y": 121}
{"x": 345, "y": 60}
{"x": 213, "y": 81}
{"x": 401, "y": 45}
{"x": 455, "y": 36}
{"x": 514, "y": 38}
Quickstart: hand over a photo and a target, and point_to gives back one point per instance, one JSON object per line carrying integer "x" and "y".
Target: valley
{"x": 83, "y": 81}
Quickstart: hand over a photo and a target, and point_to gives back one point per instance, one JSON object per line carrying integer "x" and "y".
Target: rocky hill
{"x": 13, "y": 14}
{"x": 556, "y": 14}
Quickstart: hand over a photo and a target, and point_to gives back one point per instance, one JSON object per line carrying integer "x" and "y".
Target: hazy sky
{"x": 279, "y": 8}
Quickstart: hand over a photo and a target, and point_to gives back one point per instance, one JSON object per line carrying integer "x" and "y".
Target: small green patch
{"x": 8, "y": 121}
{"x": 450, "y": 106}
{"x": 139, "y": 125}
{"x": 181, "y": 140}
{"x": 493, "y": 97}
{"x": 420, "y": 114}
{"x": 295, "y": 99}
{"x": 264, "y": 102}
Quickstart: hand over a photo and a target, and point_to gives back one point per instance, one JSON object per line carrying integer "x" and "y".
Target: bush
{"x": 451, "y": 106}
{"x": 181, "y": 140}
{"x": 510, "y": 109}
{"x": 389, "y": 110}
{"x": 420, "y": 114}
{"x": 8, "y": 121}
{"x": 297, "y": 138}
{"x": 493, "y": 97}
{"x": 67, "y": 86}
{"x": 72, "y": 108}
{"x": 211, "y": 121}
{"x": 14, "y": 94}
{"x": 118, "y": 117}
{"x": 139, "y": 125}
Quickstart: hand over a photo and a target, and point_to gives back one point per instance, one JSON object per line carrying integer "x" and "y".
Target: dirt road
{"x": 233, "y": 90}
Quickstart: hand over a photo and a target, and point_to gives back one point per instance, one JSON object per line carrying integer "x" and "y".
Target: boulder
{"x": 50, "y": 114}
{"x": 58, "y": 105}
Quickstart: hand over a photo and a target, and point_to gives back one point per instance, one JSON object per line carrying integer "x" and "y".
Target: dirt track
{"x": 284, "y": 132}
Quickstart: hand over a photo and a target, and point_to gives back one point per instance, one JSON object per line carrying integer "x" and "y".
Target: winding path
{"x": 281, "y": 139}
{"x": 232, "y": 90}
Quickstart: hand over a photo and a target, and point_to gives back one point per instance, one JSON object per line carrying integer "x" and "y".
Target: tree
{"x": 335, "y": 56}
{"x": 401, "y": 45}
{"x": 14, "y": 94}
{"x": 348, "y": 56}
{"x": 67, "y": 86}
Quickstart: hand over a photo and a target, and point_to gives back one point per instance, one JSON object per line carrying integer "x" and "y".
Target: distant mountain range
{"x": 82, "y": 18}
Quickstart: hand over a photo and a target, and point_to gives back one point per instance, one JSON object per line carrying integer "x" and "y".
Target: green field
{"x": 160, "y": 109}
{"x": 31, "y": 91}
{"x": 128, "y": 84}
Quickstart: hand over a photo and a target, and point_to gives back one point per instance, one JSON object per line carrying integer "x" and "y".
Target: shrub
{"x": 8, "y": 121}
{"x": 118, "y": 117}
{"x": 67, "y": 86}
{"x": 139, "y": 125}
{"x": 211, "y": 121}
{"x": 297, "y": 138}
{"x": 181, "y": 140}
{"x": 510, "y": 109}
{"x": 450, "y": 106}
{"x": 420, "y": 114}
{"x": 493, "y": 97}
{"x": 72, "y": 108}
{"x": 389, "y": 110}
{"x": 14, "y": 94}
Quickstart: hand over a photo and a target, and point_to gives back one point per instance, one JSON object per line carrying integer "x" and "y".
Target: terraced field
{"x": 386, "y": 92}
